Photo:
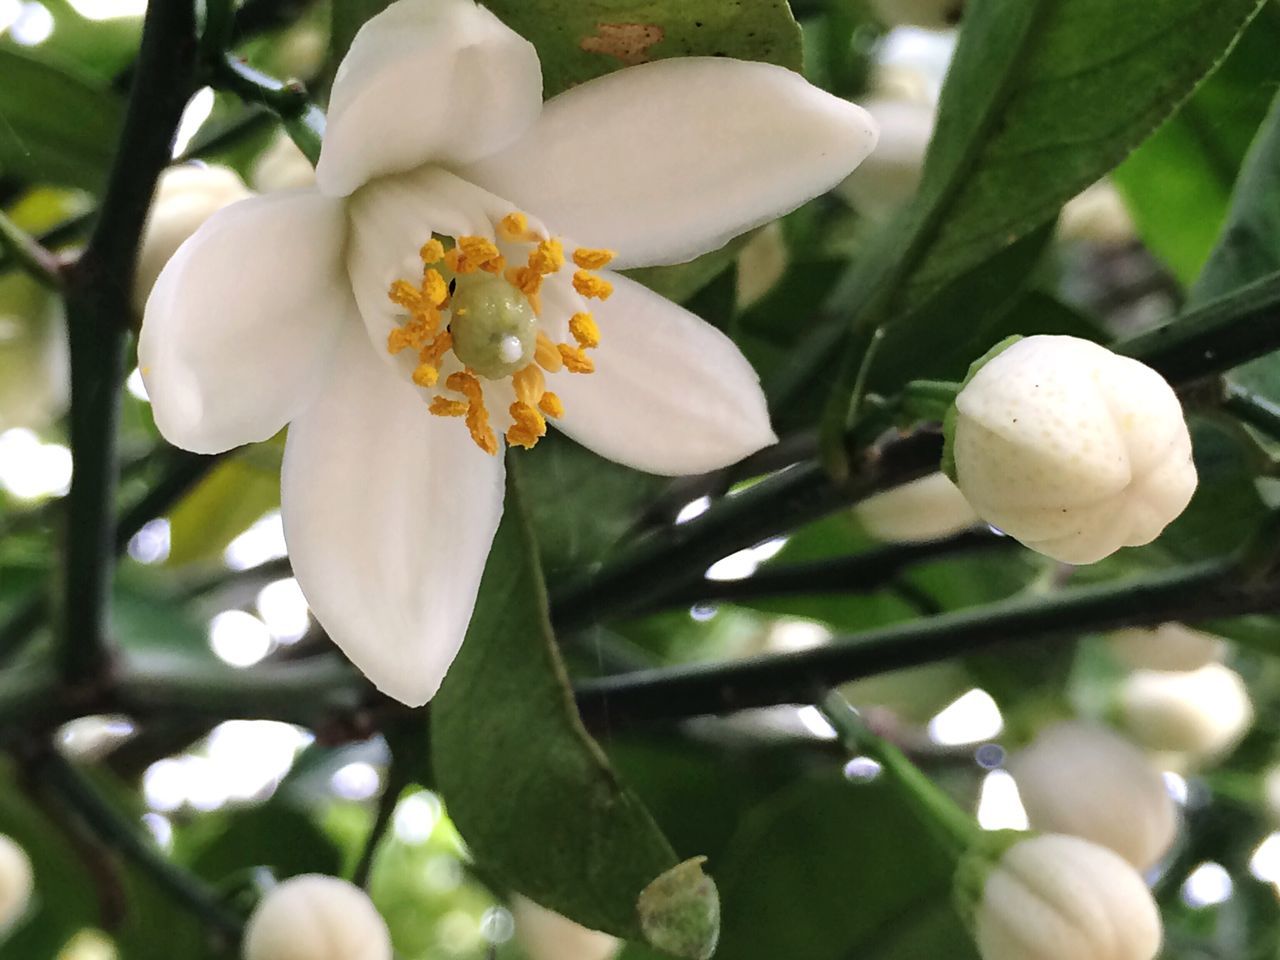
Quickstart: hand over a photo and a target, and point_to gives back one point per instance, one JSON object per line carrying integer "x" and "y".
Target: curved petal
{"x": 427, "y": 80}
{"x": 666, "y": 160}
{"x": 670, "y": 394}
{"x": 388, "y": 513}
{"x": 240, "y": 327}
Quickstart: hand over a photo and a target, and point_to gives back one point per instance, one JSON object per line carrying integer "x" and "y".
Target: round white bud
{"x": 282, "y": 166}
{"x": 935, "y": 14}
{"x": 315, "y": 917}
{"x": 186, "y": 197}
{"x": 1098, "y": 215}
{"x": 1089, "y": 782}
{"x": 1201, "y": 712}
{"x": 1053, "y": 897}
{"x": 1071, "y": 449}
{"x": 1170, "y": 646}
{"x": 888, "y": 178}
{"x": 17, "y": 880}
{"x": 925, "y": 509}
{"x": 546, "y": 935}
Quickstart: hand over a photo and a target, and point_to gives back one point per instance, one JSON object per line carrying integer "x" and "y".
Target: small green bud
{"x": 494, "y": 327}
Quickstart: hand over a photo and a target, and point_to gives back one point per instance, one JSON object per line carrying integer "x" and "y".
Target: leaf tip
{"x": 680, "y": 911}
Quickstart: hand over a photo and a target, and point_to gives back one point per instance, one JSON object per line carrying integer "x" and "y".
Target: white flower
{"x": 1203, "y": 712}
{"x": 282, "y": 166}
{"x": 17, "y": 880}
{"x": 315, "y": 917}
{"x": 890, "y": 176}
{"x": 1086, "y": 781}
{"x": 1170, "y": 646}
{"x": 935, "y": 14}
{"x": 1097, "y": 215}
{"x": 1072, "y": 449}
{"x": 1053, "y": 897}
{"x": 924, "y": 509}
{"x": 332, "y": 308}
{"x": 546, "y": 935}
{"x": 186, "y": 196}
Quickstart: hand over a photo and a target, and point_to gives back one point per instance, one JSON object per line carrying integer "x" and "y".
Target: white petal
{"x": 242, "y": 322}
{"x": 441, "y": 81}
{"x": 671, "y": 394}
{"x": 388, "y": 513}
{"x": 666, "y": 160}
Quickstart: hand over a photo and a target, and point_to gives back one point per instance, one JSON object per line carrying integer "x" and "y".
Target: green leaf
{"x": 233, "y": 495}
{"x": 55, "y": 126}
{"x": 529, "y": 790}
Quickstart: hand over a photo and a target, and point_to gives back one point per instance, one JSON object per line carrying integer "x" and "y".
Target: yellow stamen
{"x": 584, "y": 330}
{"x": 425, "y": 375}
{"x": 575, "y": 360}
{"x": 403, "y": 294}
{"x": 550, "y": 405}
{"x": 514, "y": 228}
{"x": 546, "y": 354}
{"x": 525, "y": 279}
{"x": 547, "y": 257}
{"x": 591, "y": 286}
{"x": 528, "y": 428}
{"x": 432, "y": 252}
{"x": 529, "y": 384}
{"x": 444, "y": 407}
{"x": 466, "y": 383}
{"x": 434, "y": 288}
{"x": 591, "y": 259}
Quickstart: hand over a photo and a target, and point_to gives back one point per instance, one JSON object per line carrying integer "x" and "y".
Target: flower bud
{"x": 925, "y": 509}
{"x": 315, "y": 917}
{"x": 1170, "y": 646}
{"x": 34, "y": 383}
{"x": 1052, "y": 897}
{"x": 761, "y": 264}
{"x": 1088, "y": 782}
{"x": 546, "y": 935}
{"x": 186, "y": 197}
{"x": 17, "y": 880}
{"x": 935, "y": 14}
{"x": 1098, "y": 215}
{"x": 282, "y": 166}
{"x": 1071, "y": 449}
{"x": 888, "y": 178}
{"x": 1203, "y": 712}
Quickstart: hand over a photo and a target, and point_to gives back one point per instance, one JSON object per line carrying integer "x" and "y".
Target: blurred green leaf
{"x": 55, "y": 125}
{"x": 273, "y": 835}
{"x": 234, "y": 494}
{"x": 529, "y": 790}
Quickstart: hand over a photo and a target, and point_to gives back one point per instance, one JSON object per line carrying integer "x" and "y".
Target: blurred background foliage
{"x": 813, "y": 861}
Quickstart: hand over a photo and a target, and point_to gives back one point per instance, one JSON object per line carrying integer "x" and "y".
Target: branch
{"x": 1192, "y": 594}
{"x": 29, "y": 254}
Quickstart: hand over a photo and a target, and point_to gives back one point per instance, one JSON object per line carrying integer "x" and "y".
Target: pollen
{"x": 475, "y": 318}
{"x": 591, "y": 286}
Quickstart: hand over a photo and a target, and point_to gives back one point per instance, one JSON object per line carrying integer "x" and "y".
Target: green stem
{"x": 28, "y": 254}
{"x": 954, "y": 828}
{"x": 1251, "y": 408}
{"x": 288, "y": 99}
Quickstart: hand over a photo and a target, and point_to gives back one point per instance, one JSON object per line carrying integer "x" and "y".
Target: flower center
{"x": 479, "y": 322}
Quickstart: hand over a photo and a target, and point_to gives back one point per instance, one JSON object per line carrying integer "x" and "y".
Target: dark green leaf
{"x": 529, "y": 790}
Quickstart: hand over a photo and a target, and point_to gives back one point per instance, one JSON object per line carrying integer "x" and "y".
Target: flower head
{"x": 1201, "y": 712}
{"x": 1072, "y": 449}
{"x": 448, "y": 289}
{"x": 315, "y": 917}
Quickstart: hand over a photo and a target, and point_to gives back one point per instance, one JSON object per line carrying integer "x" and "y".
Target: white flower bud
{"x": 1098, "y": 215}
{"x": 1202, "y": 712}
{"x": 1053, "y": 897}
{"x": 888, "y": 178}
{"x": 761, "y": 264}
{"x": 546, "y": 935}
{"x": 314, "y": 917}
{"x": 925, "y": 509}
{"x": 34, "y": 382}
{"x": 1170, "y": 646}
{"x": 17, "y": 880}
{"x": 1072, "y": 449}
{"x": 186, "y": 197}
{"x": 935, "y": 14}
{"x": 282, "y": 166}
{"x": 1086, "y": 781}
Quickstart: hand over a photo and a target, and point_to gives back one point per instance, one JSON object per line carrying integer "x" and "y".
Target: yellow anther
{"x": 550, "y": 405}
{"x": 444, "y": 407}
{"x": 434, "y": 288}
{"x": 584, "y": 330}
{"x": 525, "y": 279}
{"x": 528, "y": 426}
{"x": 591, "y": 259}
{"x": 514, "y": 228}
{"x": 546, "y": 354}
{"x": 529, "y": 384}
{"x": 403, "y": 294}
{"x": 397, "y": 340}
{"x": 591, "y": 286}
{"x": 575, "y": 360}
{"x": 425, "y": 375}
{"x": 436, "y": 349}
{"x": 432, "y": 252}
{"x": 547, "y": 257}
{"x": 466, "y": 383}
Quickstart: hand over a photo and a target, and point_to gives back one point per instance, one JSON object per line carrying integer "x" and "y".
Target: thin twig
{"x": 28, "y": 254}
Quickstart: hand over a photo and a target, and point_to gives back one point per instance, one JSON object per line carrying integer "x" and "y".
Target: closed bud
{"x": 1170, "y": 646}
{"x": 1071, "y": 449}
{"x": 1202, "y": 712}
{"x": 935, "y": 14}
{"x": 546, "y": 935}
{"x": 186, "y": 197}
{"x": 1053, "y": 897}
{"x": 1098, "y": 215}
{"x": 888, "y": 178}
{"x": 282, "y": 166}
{"x": 17, "y": 880}
{"x": 1086, "y": 781}
{"x": 314, "y": 917}
{"x": 925, "y": 509}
